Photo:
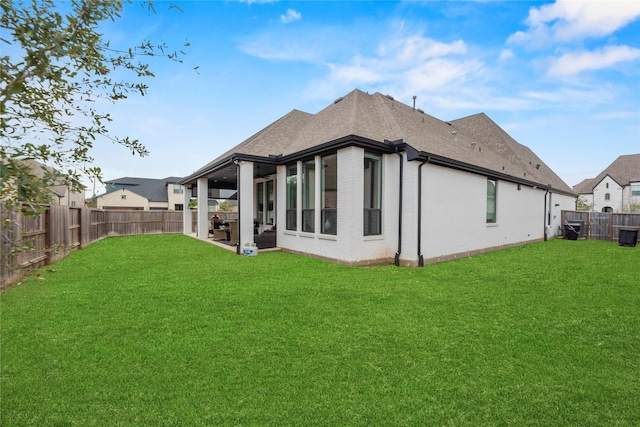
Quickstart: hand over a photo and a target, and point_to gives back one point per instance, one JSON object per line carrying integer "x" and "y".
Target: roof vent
{"x": 338, "y": 100}
{"x": 473, "y": 146}
{"x": 390, "y": 97}
{"x": 419, "y": 110}
{"x": 537, "y": 165}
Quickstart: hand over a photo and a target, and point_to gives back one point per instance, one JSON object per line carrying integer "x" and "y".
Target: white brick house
{"x": 615, "y": 189}
{"x": 370, "y": 180}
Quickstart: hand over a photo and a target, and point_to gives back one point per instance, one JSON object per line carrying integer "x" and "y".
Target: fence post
{"x": 611, "y": 238}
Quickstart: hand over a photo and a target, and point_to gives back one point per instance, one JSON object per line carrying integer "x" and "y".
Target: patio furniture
{"x": 233, "y": 235}
{"x": 219, "y": 234}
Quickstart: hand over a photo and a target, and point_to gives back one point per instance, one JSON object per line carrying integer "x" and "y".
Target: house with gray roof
{"x": 616, "y": 188}
{"x": 370, "y": 180}
{"x": 130, "y": 193}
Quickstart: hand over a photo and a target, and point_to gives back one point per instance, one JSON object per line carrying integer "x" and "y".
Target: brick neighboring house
{"x": 142, "y": 194}
{"x": 370, "y": 180}
{"x": 615, "y": 189}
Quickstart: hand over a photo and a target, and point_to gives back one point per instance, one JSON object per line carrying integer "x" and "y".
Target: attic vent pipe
{"x": 414, "y": 102}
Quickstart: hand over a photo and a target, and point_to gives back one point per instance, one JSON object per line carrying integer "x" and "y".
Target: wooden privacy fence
{"x": 602, "y": 225}
{"x": 32, "y": 241}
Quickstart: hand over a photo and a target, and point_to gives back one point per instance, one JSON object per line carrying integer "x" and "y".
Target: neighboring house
{"x": 142, "y": 194}
{"x": 61, "y": 194}
{"x": 370, "y": 180}
{"x": 615, "y": 189}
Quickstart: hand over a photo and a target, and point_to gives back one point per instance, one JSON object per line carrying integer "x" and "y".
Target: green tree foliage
{"x": 583, "y": 205}
{"x": 55, "y": 69}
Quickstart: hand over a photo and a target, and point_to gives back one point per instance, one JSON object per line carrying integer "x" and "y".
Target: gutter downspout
{"x": 420, "y": 257}
{"x": 397, "y": 257}
{"x": 547, "y": 211}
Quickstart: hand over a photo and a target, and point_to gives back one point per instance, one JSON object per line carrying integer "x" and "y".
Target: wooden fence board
{"x": 603, "y": 225}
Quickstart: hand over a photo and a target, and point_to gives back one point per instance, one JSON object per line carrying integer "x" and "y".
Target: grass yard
{"x": 169, "y": 330}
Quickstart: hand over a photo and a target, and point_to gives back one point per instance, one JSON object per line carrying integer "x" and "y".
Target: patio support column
{"x": 203, "y": 208}
{"x": 245, "y": 203}
{"x": 186, "y": 213}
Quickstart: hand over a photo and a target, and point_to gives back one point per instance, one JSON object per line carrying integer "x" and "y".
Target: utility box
{"x": 627, "y": 237}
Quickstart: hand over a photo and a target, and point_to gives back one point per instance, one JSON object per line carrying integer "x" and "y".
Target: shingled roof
{"x": 474, "y": 141}
{"x": 624, "y": 170}
{"x": 155, "y": 190}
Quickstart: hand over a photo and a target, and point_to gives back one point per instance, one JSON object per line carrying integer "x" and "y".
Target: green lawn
{"x": 169, "y": 330}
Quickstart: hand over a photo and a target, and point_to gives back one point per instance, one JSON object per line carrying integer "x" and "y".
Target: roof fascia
{"x": 278, "y": 159}
{"x": 466, "y": 167}
{"x": 204, "y": 172}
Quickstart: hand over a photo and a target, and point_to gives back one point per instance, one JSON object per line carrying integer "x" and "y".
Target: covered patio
{"x": 253, "y": 181}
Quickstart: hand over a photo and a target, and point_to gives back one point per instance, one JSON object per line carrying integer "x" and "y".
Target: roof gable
{"x": 624, "y": 170}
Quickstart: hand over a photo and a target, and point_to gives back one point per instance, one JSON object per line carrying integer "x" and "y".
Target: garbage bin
{"x": 627, "y": 237}
{"x": 571, "y": 230}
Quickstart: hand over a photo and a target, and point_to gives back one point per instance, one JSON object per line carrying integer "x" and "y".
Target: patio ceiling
{"x": 226, "y": 176}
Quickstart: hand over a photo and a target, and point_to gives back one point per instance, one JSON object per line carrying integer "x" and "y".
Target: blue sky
{"x": 562, "y": 78}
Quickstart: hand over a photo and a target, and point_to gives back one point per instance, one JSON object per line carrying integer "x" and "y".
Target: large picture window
{"x": 308, "y": 196}
{"x": 292, "y": 196}
{"x": 329, "y": 214}
{"x": 491, "y": 201}
{"x": 372, "y": 194}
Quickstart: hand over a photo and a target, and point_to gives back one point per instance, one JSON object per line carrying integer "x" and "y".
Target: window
{"x": 260, "y": 201}
{"x": 607, "y": 185}
{"x": 270, "y": 203}
{"x": 308, "y": 195}
{"x": 372, "y": 194}
{"x": 635, "y": 190}
{"x": 491, "y": 201}
{"x": 179, "y": 207}
{"x": 177, "y": 189}
{"x": 607, "y": 196}
{"x": 292, "y": 196}
{"x": 329, "y": 213}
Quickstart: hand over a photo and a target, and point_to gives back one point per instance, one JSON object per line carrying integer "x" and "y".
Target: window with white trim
{"x": 491, "y": 201}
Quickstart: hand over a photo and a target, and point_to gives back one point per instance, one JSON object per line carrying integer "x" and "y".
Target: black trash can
{"x": 627, "y": 237}
{"x": 571, "y": 230}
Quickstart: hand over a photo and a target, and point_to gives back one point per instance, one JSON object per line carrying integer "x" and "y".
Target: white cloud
{"x": 567, "y": 20}
{"x": 505, "y": 55}
{"x": 290, "y": 16}
{"x": 403, "y": 66}
{"x": 576, "y": 62}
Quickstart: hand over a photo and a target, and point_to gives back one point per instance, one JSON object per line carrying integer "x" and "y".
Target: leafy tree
{"x": 54, "y": 66}
{"x": 583, "y": 205}
{"x": 225, "y": 206}
{"x": 631, "y": 207}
